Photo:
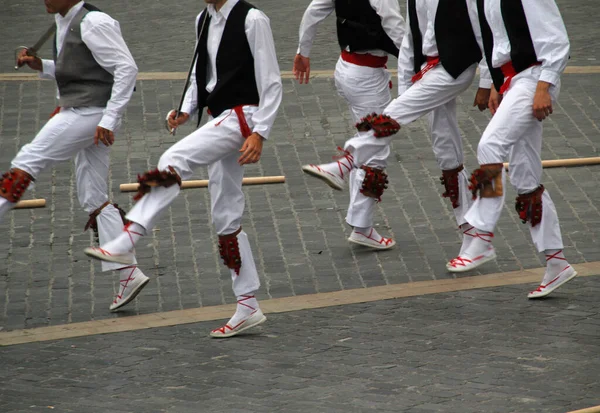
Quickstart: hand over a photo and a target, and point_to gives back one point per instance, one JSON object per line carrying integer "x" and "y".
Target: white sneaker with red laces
{"x": 558, "y": 272}
{"x": 104, "y": 255}
{"x": 120, "y": 249}
{"x": 131, "y": 283}
{"x": 371, "y": 239}
{"x": 544, "y": 289}
{"x": 335, "y": 174}
{"x": 257, "y": 317}
{"x": 479, "y": 251}
{"x": 247, "y": 315}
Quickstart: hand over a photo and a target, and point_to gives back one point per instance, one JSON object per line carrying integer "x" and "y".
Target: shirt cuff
{"x": 550, "y": 76}
{"x": 47, "y": 69}
{"x": 304, "y": 51}
{"x": 109, "y": 122}
{"x": 263, "y": 131}
{"x": 189, "y": 108}
{"x": 485, "y": 83}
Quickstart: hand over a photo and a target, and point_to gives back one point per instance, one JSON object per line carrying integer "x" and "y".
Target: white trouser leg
{"x": 525, "y": 172}
{"x": 227, "y": 208}
{"x": 436, "y": 88}
{"x": 446, "y": 141}
{"x": 361, "y": 208}
{"x": 59, "y": 140}
{"x": 514, "y": 131}
{"x": 92, "y": 165}
{"x": 366, "y": 90}
{"x": 214, "y": 141}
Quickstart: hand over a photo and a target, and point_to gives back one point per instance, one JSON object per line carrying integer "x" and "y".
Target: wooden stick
{"x": 595, "y": 409}
{"x": 555, "y": 163}
{"x": 259, "y": 180}
{"x": 30, "y": 204}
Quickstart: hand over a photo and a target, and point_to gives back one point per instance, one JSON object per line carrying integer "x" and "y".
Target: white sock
{"x": 342, "y": 166}
{"x": 467, "y": 238}
{"x": 369, "y": 232}
{"x": 125, "y": 242}
{"x": 482, "y": 241}
{"x": 5, "y": 206}
{"x": 555, "y": 264}
{"x": 247, "y": 305}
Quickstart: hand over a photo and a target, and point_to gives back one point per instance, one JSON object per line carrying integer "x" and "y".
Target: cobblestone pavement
{"x": 478, "y": 351}
{"x": 297, "y": 230}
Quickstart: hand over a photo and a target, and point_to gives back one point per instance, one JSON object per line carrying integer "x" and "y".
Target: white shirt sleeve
{"x": 48, "y": 70}
{"x": 406, "y": 61}
{"x": 550, "y": 38}
{"x": 102, "y": 35}
{"x": 391, "y": 19}
{"x": 317, "y": 11}
{"x": 266, "y": 69}
{"x": 190, "y": 101}
{"x": 485, "y": 77}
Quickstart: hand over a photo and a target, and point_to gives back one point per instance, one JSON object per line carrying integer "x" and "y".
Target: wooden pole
{"x": 259, "y": 180}
{"x": 595, "y": 409}
{"x": 555, "y": 163}
{"x": 30, "y": 204}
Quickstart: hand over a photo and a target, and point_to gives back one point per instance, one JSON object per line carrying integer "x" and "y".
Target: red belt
{"x": 508, "y": 70}
{"x": 364, "y": 59}
{"x": 239, "y": 111}
{"x": 431, "y": 63}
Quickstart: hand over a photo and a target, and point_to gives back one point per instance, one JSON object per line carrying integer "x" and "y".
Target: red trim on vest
{"x": 364, "y": 59}
{"x": 508, "y": 70}
{"x": 431, "y": 63}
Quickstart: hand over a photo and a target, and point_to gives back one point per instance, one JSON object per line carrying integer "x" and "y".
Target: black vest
{"x": 413, "y": 19}
{"x": 236, "y": 82}
{"x": 522, "y": 52}
{"x": 359, "y": 28}
{"x": 456, "y": 42}
{"x": 488, "y": 46}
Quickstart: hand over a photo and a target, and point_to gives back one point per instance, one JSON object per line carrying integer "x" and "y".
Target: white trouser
{"x": 446, "y": 141}
{"x": 70, "y": 133}
{"x": 515, "y": 134}
{"x": 366, "y": 90}
{"x": 435, "y": 90}
{"x": 216, "y": 145}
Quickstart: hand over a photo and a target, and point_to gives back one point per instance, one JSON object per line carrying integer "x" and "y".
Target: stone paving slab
{"x": 297, "y": 230}
{"x": 157, "y": 33}
{"x": 478, "y": 351}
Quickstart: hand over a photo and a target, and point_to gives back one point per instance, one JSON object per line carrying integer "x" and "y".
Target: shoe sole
{"x": 236, "y": 332}
{"x": 366, "y": 244}
{"x": 131, "y": 296}
{"x": 323, "y": 177}
{"x": 545, "y": 293}
{"x": 479, "y": 264}
{"x": 99, "y": 256}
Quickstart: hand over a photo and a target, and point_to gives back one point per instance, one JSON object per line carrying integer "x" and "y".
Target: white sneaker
{"x": 130, "y": 288}
{"x": 373, "y": 240}
{"x": 104, "y": 255}
{"x": 256, "y": 318}
{"x": 465, "y": 263}
{"x": 563, "y": 277}
{"x": 332, "y": 179}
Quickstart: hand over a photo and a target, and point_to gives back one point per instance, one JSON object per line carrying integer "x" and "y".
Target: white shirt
{"x": 318, "y": 10}
{"x": 548, "y": 32}
{"x": 266, "y": 68}
{"x": 102, "y": 35}
{"x": 426, "y": 13}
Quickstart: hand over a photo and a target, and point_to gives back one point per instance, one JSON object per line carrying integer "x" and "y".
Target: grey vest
{"x": 81, "y": 80}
